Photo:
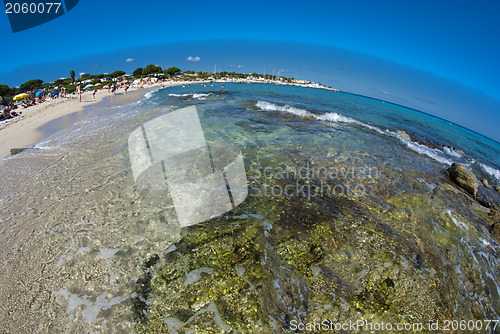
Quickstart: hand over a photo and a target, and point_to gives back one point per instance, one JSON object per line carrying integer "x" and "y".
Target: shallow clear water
{"x": 75, "y": 230}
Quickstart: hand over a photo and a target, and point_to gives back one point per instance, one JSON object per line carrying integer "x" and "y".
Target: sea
{"x": 76, "y": 230}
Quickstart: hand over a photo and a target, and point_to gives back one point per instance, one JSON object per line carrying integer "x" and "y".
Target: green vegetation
{"x": 31, "y": 85}
{"x": 4, "y": 90}
{"x": 152, "y": 69}
{"x": 117, "y": 74}
{"x": 138, "y": 72}
{"x": 173, "y": 72}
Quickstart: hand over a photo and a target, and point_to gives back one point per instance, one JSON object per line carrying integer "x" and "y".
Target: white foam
{"x": 201, "y": 96}
{"x": 432, "y": 153}
{"x": 285, "y": 108}
{"x": 451, "y": 152}
{"x": 424, "y": 150}
{"x": 149, "y": 94}
{"x": 334, "y": 117}
{"x": 492, "y": 171}
{"x": 198, "y": 96}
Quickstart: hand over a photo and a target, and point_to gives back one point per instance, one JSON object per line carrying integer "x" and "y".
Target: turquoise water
{"x": 430, "y": 132}
{"x": 76, "y": 231}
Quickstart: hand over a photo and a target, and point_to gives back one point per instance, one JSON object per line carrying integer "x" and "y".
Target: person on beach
{"x": 5, "y": 112}
{"x": 113, "y": 90}
{"x": 93, "y": 94}
{"x": 3, "y": 102}
{"x": 126, "y": 89}
{"x": 79, "y": 91}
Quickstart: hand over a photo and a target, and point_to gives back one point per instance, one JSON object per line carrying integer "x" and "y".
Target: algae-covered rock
{"x": 464, "y": 178}
{"x": 282, "y": 260}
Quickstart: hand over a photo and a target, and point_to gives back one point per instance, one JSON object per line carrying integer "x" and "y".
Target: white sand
{"x": 21, "y": 131}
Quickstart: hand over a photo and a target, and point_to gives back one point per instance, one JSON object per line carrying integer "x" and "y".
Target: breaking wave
{"x": 433, "y": 153}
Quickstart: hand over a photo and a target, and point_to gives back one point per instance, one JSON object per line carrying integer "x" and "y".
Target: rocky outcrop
{"x": 403, "y": 134}
{"x": 497, "y": 188}
{"x": 486, "y": 184}
{"x": 464, "y": 178}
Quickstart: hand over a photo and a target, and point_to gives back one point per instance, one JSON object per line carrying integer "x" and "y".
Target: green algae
{"x": 346, "y": 258}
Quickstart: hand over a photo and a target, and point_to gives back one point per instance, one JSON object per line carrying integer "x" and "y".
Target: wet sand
{"x": 39, "y": 122}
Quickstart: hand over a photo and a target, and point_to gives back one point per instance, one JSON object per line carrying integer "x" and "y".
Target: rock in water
{"x": 497, "y": 188}
{"x": 486, "y": 184}
{"x": 464, "y": 178}
{"x": 403, "y": 134}
{"x": 14, "y": 151}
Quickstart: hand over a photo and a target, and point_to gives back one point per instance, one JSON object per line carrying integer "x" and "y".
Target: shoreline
{"x": 23, "y": 131}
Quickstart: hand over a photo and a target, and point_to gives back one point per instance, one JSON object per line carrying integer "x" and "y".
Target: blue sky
{"x": 455, "y": 40}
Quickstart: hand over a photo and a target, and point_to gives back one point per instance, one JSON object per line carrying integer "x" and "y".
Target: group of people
{"x": 6, "y": 109}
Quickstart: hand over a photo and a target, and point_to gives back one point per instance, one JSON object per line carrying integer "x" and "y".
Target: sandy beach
{"x": 23, "y": 131}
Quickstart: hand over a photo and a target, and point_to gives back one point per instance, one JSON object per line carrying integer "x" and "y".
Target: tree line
{"x": 107, "y": 79}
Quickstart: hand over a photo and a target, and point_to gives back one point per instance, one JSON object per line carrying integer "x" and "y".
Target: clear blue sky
{"x": 456, "y": 40}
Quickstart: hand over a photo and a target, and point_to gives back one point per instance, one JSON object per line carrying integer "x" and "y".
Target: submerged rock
{"x": 464, "y": 178}
{"x": 486, "y": 184}
{"x": 497, "y": 188}
{"x": 282, "y": 260}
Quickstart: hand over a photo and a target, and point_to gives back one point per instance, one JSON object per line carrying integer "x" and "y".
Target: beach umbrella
{"x": 87, "y": 87}
{"x": 97, "y": 84}
{"x": 20, "y": 96}
{"x": 39, "y": 93}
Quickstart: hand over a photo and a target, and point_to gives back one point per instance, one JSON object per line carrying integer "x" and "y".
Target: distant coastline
{"x": 21, "y": 132}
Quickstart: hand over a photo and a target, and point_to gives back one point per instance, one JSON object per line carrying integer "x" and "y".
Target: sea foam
{"x": 284, "y": 108}
{"x": 198, "y": 96}
{"x": 149, "y": 94}
{"x": 433, "y": 153}
{"x": 492, "y": 171}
